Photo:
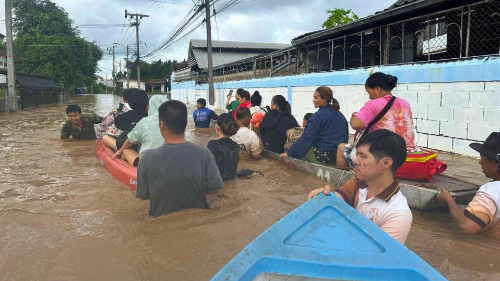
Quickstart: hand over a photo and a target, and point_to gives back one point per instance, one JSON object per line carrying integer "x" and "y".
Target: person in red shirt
{"x": 244, "y": 102}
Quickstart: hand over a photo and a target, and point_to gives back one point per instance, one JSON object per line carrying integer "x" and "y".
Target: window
{"x": 436, "y": 38}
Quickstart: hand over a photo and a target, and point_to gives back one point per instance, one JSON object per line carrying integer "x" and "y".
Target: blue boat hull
{"x": 327, "y": 239}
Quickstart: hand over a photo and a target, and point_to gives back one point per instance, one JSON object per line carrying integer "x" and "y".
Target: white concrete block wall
{"x": 268, "y": 93}
{"x": 453, "y": 115}
{"x": 447, "y": 116}
{"x": 191, "y": 96}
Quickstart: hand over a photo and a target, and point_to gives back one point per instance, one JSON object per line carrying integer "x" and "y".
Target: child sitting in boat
{"x": 226, "y": 151}
{"x": 109, "y": 119}
{"x": 146, "y": 133}
{"x": 168, "y": 176}
{"x": 326, "y": 129}
{"x": 306, "y": 118}
{"x": 116, "y": 137}
{"x": 482, "y": 216}
{"x": 374, "y": 191}
{"x": 397, "y": 116}
{"x": 250, "y": 144}
{"x": 203, "y": 115}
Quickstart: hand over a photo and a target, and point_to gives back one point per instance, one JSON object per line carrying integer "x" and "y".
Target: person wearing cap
{"x": 374, "y": 191}
{"x": 203, "y": 115}
{"x": 482, "y": 215}
{"x": 226, "y": 151}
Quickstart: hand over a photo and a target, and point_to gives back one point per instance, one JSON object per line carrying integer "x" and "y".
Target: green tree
{"x": 338, "y": 17}
{"x": 154, "y": 70}
{"x": 48, "y": 44}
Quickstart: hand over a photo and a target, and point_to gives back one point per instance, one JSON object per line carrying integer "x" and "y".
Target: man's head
{"x": 201, "y": 103}
{"x": 126, "y": 94}
{"x": 243, "y": 116}
{"x": 490, "y": 155}
{"x": 379, "y": 154}
{"x": 74, "y": 113}
{"x": 238, "y": 94}
{"x": 173, "y": 118}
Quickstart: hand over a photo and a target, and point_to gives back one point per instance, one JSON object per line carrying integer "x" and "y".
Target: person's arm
{"x": 347, "y": 192}
{"x": 326, "y": 190}
{"x": 125, "y": 145}
{"x": 360, "y": 120}
{"x": 397, "y": 224}
{"x": 357, "y": 124}
{"x": 142, "y": 190}
{"x": 465, "y": 224}
{"x": 305, "y": 142}
{"x": 194, "y": 116}
{"x": 213, "y": 115}
{"x": 65, "y": 134}
{"x": 214, "y": 181}
{"x": 96, "y": 119}
{"x": 228, "y": 102}
{"x": 256, "y": 147}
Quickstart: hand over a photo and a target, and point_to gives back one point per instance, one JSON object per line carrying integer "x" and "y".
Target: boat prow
{"x": 326, "y": 239}
{"x": 420, "y": 195}
{"x": 119, "y": 169}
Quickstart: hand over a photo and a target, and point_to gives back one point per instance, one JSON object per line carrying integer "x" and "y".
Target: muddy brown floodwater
{"x": 63, "y": 217}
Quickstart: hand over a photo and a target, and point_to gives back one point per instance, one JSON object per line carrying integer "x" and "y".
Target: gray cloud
{"x": 276, "y": 21}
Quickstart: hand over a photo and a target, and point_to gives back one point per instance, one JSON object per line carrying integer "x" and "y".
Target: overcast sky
{"x": 273, "y": 21}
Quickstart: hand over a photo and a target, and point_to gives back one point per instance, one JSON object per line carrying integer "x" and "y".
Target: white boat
{"x": 420, "y": 195}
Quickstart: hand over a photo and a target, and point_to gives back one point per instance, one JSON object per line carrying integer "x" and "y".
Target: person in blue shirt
{"x": 203, "y": 115}
{"x": 325, "y": 130}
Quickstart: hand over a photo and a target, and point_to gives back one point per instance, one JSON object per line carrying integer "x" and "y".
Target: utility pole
{"x": 128, "y": 75}
{"x": 211, "y": 95}
{"x": 114, "y": 72}
{"x": 106, "y": 84}
{"x": 11, "y": 97}
{"x": 138, "y": 17}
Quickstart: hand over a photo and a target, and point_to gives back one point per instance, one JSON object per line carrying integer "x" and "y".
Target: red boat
{"x": 119, "y": 169}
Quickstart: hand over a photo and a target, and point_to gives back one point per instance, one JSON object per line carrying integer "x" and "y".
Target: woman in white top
{"x": 256, "y": 101}
{"x": 482, "y": 216}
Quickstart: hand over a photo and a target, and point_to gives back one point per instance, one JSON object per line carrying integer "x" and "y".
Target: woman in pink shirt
{"x": 398, "y": 118}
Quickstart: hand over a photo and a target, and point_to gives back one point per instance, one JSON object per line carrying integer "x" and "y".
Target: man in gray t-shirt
{"x": 179, "y": 174}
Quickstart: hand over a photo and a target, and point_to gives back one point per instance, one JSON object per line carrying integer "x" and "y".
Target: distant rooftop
{"x": 225, "y": 52}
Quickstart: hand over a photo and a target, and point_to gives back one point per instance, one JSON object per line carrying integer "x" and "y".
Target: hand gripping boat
{"x": 119, "y": 169}
{"x": 325, "y": 239}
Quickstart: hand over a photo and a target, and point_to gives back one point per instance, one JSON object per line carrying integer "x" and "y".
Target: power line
{"x": 119, "y": 36}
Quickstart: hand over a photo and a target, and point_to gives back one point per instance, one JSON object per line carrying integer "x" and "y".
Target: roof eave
{"x": 382, "y": 16}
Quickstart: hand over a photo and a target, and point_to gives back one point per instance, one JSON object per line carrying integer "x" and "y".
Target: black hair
{"x": 240, "y": 91}
{"x": 382, "y": 80}
{"x": 203, "y": 102}
{"x": 282, "y": 104}
{"x": 256, "y": 99}
{"x": 73, "y": 108}
{"x": 242, "y": 113}
{"x": 384, "y": 143}
{"x": 307, "y": 116}
{"x": 127, "y": 93}
{"x": 245, "y": 95}
{"x": 174, "y": 115}
{"x": 230, "y": 127}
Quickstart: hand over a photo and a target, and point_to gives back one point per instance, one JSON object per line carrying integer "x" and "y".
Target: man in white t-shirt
{"x": 482, "y": 215}
{"x": 375, "y": 191}
{"x": 250, "y": 144}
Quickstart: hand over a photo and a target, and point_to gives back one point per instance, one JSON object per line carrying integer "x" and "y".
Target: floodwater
{"x": 63, "y": 217}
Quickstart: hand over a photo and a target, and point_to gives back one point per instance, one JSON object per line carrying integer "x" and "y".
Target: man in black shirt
{"x": 81, "y": 127}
